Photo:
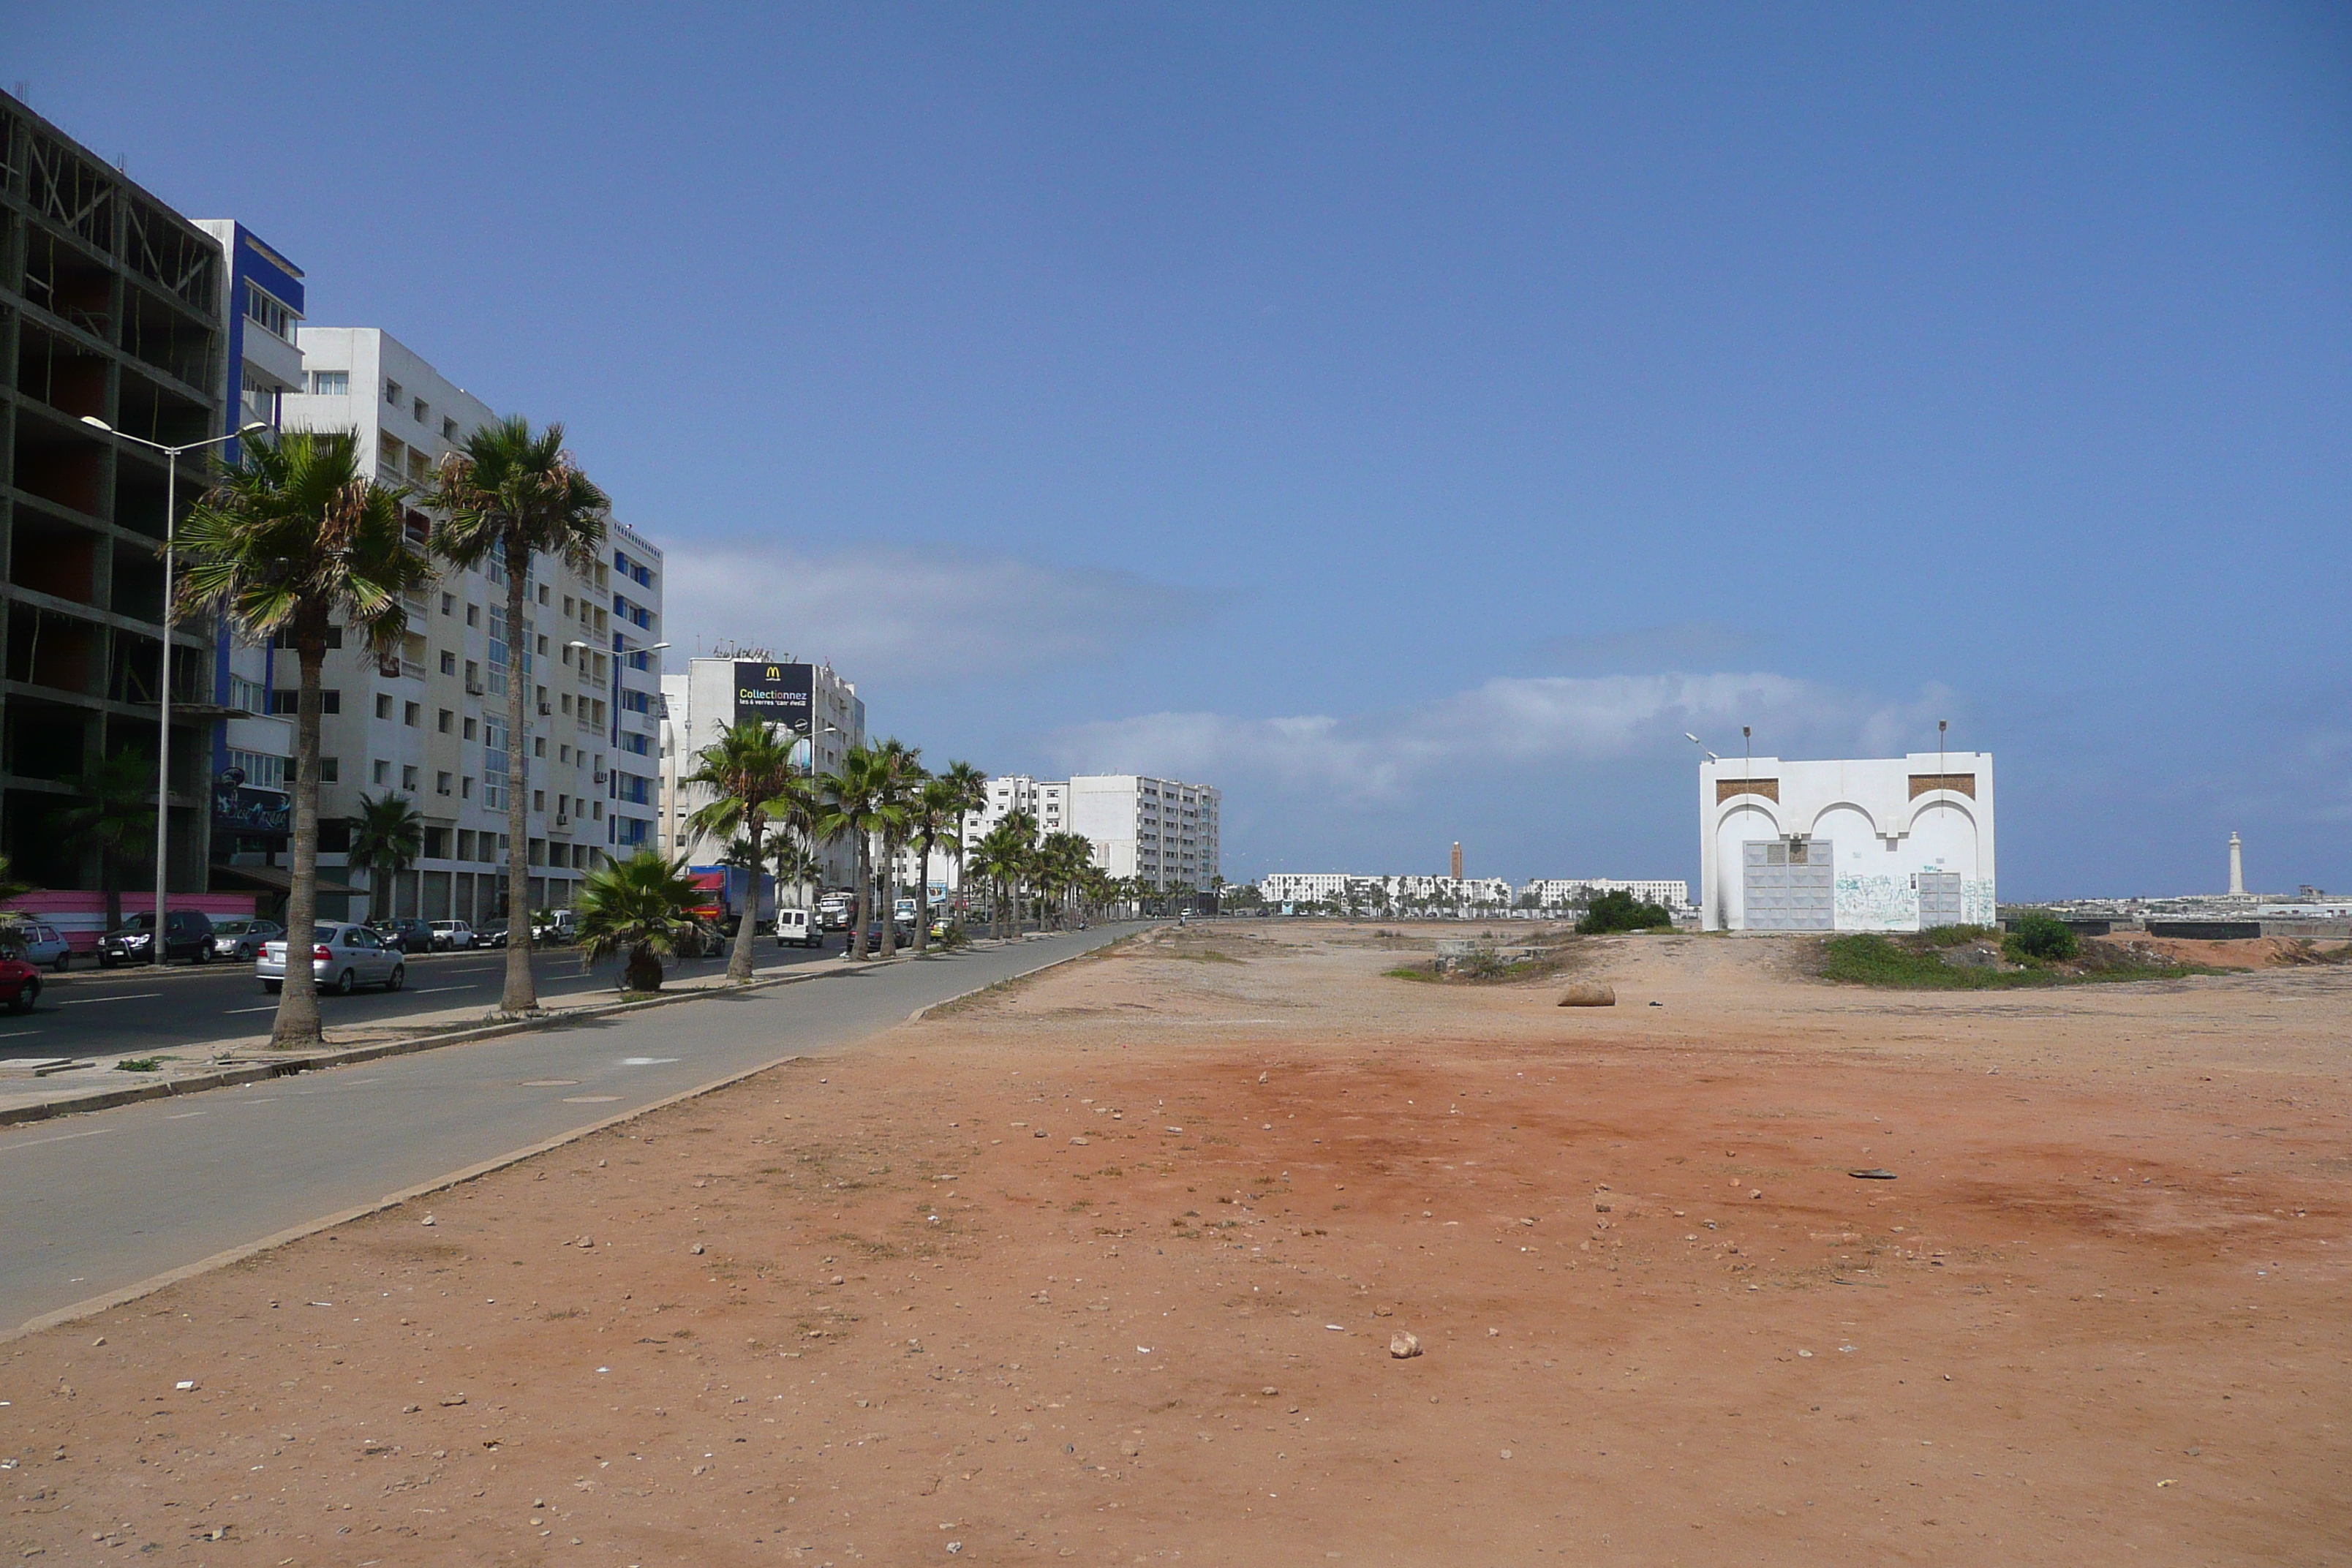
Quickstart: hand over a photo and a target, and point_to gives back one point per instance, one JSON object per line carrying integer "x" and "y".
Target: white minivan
{"x": 793, "y": 929}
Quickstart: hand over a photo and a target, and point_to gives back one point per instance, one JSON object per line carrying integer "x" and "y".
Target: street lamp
{"x": 163, "y": 730}
{"x": 1703, "y": 752}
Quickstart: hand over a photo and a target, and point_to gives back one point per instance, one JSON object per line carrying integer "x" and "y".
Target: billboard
{"x": 774, "y": 693}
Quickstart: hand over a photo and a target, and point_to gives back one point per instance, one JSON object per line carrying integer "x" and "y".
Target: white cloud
{"x": 1510, "y": 721}
{"x": 895, "y": 613}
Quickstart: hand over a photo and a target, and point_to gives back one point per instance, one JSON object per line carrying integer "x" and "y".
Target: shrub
{"x": 2044, "y": 937}
{"x": 1955, "y": 936}
{"x": 1618, "y": 910}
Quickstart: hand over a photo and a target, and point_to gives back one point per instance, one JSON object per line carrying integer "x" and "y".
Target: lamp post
{"x": 164, "y": 729}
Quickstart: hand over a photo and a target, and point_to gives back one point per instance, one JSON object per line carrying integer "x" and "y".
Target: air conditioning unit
{"x": 476, "y": 689}
{"x": 562, "y": 820}
{"x": 545, "y": 709}
{"x": 600, "y": 778}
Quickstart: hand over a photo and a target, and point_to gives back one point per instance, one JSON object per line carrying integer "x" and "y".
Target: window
{"x": 250, "y": 695}
{"x": 448, "y": 721}
{"x": 408, "y": 779}
{"x": 442, "y": 785}
{"x": 383, "y": 773}
{"x": 448, "y": 604}
{"x": 383, "y": 706}
{"x": 413, "y": 714}
{"x": 272, "y": 315}
{"x": 539, "y": 745}
{"x": 422, "y": 410}
{"x": 392, "y": 393}
{"x": 563, "y": 754}
{"x": 330, "y": 383}
{"x": 473, "y": 679}
{"x": 389, "y": 451}
{"x": 469, "y": 730}
{"x": 542, "y": 592}
{"x": 494, "y": 764}
{"x": 498, "y": 651}
{"x": 286, "y": 639}
{"x": 449, "y": 662}
{"x": 330, "y": 771}
{"x": 465, "y": 789}
{"x": 641, "y": 744}
{"x": 473, "y": 615}
{"x": 539, "y": 800}
{"x": 635, "y": 701}
{"x": 449, "y": 429}
{"x": 567, "y": 606}
{"x": 261, "y": 770}
{"x": 289, "y": 702}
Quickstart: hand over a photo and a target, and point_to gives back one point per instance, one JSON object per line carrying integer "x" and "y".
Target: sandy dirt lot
{"x": 1105, "y": 1267}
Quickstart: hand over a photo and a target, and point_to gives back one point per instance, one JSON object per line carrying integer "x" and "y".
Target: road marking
{"x": 184, "y": 1115}
{"x": 590, "y": 1099}
{"x": 435, "y": 990}
{"x": 60, "y": 1138}
{"x": 19, "y": 1034}
{"x": 133, "y": 996}
{"x": 266, "y": 1007}
{"x": 646, "y": 1061}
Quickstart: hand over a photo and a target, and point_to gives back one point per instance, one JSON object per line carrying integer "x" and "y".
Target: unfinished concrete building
{"x": 110, "y": 305}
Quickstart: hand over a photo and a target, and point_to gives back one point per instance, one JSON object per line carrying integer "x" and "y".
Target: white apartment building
{"x": 1469, "y": 895}
{"x": 1161, "y": 831}
{"x": 712, "y": 695}
{"x": 429, "y": 721}
{"x": 1562, "y": 892}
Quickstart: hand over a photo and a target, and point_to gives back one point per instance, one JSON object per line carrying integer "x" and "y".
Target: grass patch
{"x": 1203, "y": 955}
{"x": 1915, "y": 963}
{"x": 141, "y": 1064}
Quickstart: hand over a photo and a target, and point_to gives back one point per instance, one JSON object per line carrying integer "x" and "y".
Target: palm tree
{"x": 1064, "y": 859}
{"x": 506, "y": 494}
{"x": 793, "y": 814}
{"x": 1004, "y": 856}
{"x": 970, "y": 789}
{"x": 387, "y": 836}
{"x": 861, "y": 800}
{"x": 907, "y": 776}
{"x": 745, "y": 768}
{"x": 930, "y": 810}
{"x": 642, "y": 906}
{"x": 114, "y": 811}
{"x": 294, "y": 540}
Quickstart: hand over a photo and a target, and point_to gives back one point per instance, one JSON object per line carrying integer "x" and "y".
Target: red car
{"x": 20, "y": 982}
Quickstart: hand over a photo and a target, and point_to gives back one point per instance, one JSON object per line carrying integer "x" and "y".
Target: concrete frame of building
{"x": 1889, "y": 821}
{"x": 429, "y": 721}
{"x": 110, "y": 307}
{"x": 699, "y": 702}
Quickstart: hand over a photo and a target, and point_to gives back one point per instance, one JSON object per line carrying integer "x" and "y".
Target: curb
{"x": 256, "y": 1072}
{"x": 148, "y": 1287}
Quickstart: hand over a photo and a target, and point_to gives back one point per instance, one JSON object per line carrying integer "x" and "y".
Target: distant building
{"x": 1562, "y": 892}
{"x": 1469, "y": 898}
{"x": 820, "y": 708}
{"x": 1163, "y": 831}
{"x": 1884, "y": 844}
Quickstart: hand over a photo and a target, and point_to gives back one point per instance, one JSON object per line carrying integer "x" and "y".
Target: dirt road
{"x": 1106, "y": 1267}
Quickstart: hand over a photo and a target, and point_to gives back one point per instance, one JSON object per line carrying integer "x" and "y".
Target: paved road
{"x": 94, "y": 1012}
{"x": 102, "y": 1201}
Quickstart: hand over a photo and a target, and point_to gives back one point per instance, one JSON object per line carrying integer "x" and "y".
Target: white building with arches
{"x": 1879, "y": 844}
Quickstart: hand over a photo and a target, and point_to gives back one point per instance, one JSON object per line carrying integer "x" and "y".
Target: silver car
{"x": 41, "y": 941}
{"x": 343, "y": 956}
{"x": 238, "y": 940}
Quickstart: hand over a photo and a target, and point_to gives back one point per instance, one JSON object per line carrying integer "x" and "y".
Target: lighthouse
{"x": 2237, "y": 867}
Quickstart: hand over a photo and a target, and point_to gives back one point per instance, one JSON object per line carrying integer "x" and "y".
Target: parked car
{"x": 37, "y": 943}
{"x": 795, "y": 928}
{"x": 240, "y": 940}
{"x": 187, "y": 933}
{"x": 343, "y": 956}
{"x": 452, "y": 936}
{"x": 493, "y": 933}
{"x": 553, "y": 926}
{"x": 402, "y": 934}
{"x": 20, "y": 980}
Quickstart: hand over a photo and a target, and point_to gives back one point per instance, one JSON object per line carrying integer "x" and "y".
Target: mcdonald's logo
{"x": 774, "y": 673}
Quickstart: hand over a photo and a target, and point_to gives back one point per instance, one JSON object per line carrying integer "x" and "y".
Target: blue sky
{"x": 1411, "y": 420}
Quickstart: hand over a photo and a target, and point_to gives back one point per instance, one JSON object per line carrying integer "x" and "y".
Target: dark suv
{"x": 187, "y": 933}
{"x": 404, "y": 933}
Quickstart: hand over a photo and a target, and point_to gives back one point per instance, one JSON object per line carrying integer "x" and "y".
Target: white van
{"x": 794, "y": 930}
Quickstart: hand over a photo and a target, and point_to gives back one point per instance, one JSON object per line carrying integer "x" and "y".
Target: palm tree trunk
{"x": 297, "y": 1024}
{"x": 109, "y": 876}
{"x": 864, "y": 892}
{"x": 889, "y": 900}
{"x": 521, "y": 993}
{"x": 923, "y": 900}
{"x": 739, "y": 957}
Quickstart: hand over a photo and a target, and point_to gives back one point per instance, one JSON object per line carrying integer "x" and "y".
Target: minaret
{"x": 1457, "y": 859}
{"x": 2237, "y": 869}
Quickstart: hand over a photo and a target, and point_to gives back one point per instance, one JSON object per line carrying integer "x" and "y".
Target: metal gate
{"x": 1787, "y": 884}
{"x": 1940, "y": 899}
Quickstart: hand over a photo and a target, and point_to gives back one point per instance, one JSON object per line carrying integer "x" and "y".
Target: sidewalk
{"x": 36, "y": 1089}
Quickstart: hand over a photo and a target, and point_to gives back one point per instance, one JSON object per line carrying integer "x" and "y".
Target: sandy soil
{"x": 1105, "y": 1267}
